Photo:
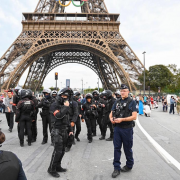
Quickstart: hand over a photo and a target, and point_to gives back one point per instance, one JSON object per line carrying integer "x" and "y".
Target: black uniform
{"x": 73, "y": 114}
{"x": 59, "y": 118}
{"x": 105, "y": 120}
{"x": 89, "y": 114}
{"x": 98, "y": 102}
{"x": 24, "y": 115}
{"x": 78, "y": 121}
{"x": 45, "y": 114}
{"x": 34, "y": 123}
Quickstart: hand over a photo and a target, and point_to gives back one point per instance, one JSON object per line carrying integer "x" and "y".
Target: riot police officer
{"x": 117, "y": 94}
{"x": 98, "y": 102}
{"x": 16, "y": 98}
{"x": 109, "y": 101}
{"x": 25, "y": 115}
{"x": 123, "y": 114}
{"x": 59, "y": 112}
{"x": 73, "y": 114}
{"x": 78, "y": 122}
{"x": 45, "y": 114}
{"x": 89, "y": 114}
{"x": 54, "y": 94}
{"x": 34, "y": 123}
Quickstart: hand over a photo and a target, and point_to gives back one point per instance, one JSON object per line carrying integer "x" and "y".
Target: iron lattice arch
{"x": 47, "y": 63}
{"x": 51, "y": 37}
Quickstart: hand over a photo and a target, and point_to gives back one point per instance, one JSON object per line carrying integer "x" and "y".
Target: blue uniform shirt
{"x": 132, "y": 105}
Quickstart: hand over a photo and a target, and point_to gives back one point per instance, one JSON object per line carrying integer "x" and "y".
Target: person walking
{"x": 171, "y": 105}
{"x": 9, "y": 110}
{"x": 141, "y": 105}
{"x": 178, "y": 105}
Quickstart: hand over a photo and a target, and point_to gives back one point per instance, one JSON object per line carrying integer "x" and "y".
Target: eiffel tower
{"x": 51, "y": 37}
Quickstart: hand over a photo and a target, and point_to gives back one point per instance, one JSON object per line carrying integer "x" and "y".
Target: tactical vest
{"x": 9, "y": 166}
{"x": 123, "y": 111}
{"x": 27, "y": 107}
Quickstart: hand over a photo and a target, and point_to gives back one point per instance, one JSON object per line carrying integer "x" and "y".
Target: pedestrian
{"x": 9, "y": 110}
{"x": 178, "y": 105}
{"x": 141, "y": 101}
{"x": 10, "y": 166}
{"x": 145, "y": 100}
{"x": 171, "y": 105}
{"x": 122, "y": 115}
{"x": 165, "y": 105}
{"x": 152, "y": 102}
{"x": 59, "y": 112}
{"x": 147, "y": 111}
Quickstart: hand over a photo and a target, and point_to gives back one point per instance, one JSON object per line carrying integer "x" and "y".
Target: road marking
{"x": 163, "y": 152}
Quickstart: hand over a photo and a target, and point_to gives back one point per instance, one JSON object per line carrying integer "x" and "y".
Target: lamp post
{"x": 144, "y": 71}
{"x": 98, "y": 84}
{"x": 82, "y": 86}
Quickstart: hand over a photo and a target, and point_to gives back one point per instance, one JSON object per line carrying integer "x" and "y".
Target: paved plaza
{"x": 94, "y": 161}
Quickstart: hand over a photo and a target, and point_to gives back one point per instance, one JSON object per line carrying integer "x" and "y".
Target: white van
{"x": 168, "y": 97}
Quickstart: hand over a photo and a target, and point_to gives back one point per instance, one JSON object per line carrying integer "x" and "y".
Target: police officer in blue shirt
{"x": 123, "y": 114}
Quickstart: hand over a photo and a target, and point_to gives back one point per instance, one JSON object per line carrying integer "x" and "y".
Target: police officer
{"x": 45, "y": 114}
{"x": 73, "y": 114}
{"x": 117, "y": 94}
{"x": 108, "y": 103}
{"x": 54, "y": 94}
{"x": 16, "y": 98}
{"x": 78, "y": 122}
{"x": 25, "y": 115}
{"x": 10, "y": 166}
{"x": 89, "y": 114}
{"x": 123, "y": 114}
{"x": 98, "y": 102}
{"x": 59, "y": 112}
{"x": 34, "y": 123}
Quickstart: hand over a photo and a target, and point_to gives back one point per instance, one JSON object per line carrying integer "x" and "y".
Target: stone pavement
{"x": 94, "y": 161}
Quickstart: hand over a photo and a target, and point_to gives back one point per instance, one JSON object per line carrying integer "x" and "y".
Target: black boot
{"x": 22, "y": 144}
{"x": 125, "y": 169}
{"x": 109, "y": 139}
{"x": 29, "y": 143}
{"x": 77, "y": 139}
{"x": 102, "y": 138}
{"x": 115, "y": 173}
{"x": 53, "y": 173}
{"x": 90, "y": 140}
{"x": 67, "y": 149}
{"x": 44, "y": 142}
{"x": 60, "y": 169}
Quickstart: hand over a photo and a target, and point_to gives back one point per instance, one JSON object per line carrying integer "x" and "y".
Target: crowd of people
{"x": 63, "y": 112}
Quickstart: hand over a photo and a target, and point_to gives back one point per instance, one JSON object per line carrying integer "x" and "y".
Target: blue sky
{"x": 152, "y": 26}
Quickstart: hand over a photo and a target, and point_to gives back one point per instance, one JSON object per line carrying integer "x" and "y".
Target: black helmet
{"x": 23, "y": 93}
{"x": 89, "y": 95}
{"x": 77, "y": 93}
{"x": 30, "y": 93}
{"x": 95, "y": 92}
{"x": 17, "y": 88}
{"x": 107, "y": 94}
{"x": 66, "y": 91}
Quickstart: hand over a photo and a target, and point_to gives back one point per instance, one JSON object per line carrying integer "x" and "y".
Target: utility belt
{"x": 126, "y": 126}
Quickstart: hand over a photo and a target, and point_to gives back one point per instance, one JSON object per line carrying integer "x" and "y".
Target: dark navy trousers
{"x": 123, "y": 137}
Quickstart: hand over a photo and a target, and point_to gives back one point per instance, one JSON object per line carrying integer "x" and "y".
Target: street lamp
{"x": 144, "y": 71}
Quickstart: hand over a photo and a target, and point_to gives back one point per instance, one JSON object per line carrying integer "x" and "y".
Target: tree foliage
{"x": 165, "y": 77}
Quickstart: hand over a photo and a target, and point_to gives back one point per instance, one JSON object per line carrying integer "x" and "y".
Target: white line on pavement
{"x": 164, "y": 153}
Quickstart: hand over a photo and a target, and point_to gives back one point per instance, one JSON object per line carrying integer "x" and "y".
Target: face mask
{"x": 47, "y": 96}
{"x": 96, "y": 97}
